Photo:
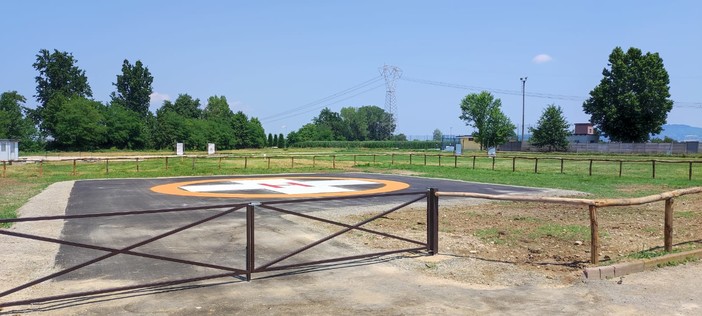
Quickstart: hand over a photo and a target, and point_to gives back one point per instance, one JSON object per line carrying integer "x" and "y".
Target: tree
{"x": 483, "y": 112}
{"x": 14, "y": 124}
{"x": 332, "y": 121}
{"x": 381, "y": 124}
{"x": 126, "y": 128}
{"x": 184, "y": 105}
{"x": 80, "y": 125}
{"x": 437, "y": 136}
{"x": 270, "y": 140}
{"x": 134, "y": 88}
{"x": 632, "y": 101}
{"x": 275, "y": 141}
{"x": 281, "y": 141}
{"x": 552, "y": 130}
{"x": 58, "y": 77}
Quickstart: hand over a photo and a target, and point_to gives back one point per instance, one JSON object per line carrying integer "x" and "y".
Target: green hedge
{"x": 416, "y": 144}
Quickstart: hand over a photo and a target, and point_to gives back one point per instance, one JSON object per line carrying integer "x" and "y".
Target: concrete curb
{"x": 624, "y": 268}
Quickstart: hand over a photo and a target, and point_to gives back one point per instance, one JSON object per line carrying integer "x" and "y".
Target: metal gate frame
{"x": 431, "y": 244}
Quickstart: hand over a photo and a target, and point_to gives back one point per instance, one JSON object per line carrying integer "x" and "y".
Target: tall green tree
{"x": 134, "y": 87}
{"x": 281, "y": 141}
{"x": 59, "y": 77}
{"x": 632, "y": 100}
{"x": 80, "y": 125}
{"x": 332, "y": 121}
{"x": 184, "y": 106}
{"x": 270, "y": 140}
{"x": 483, "y": 112}
{"x": 126, "y": 129}
{"x": 437, "y": 135}
{"x": 552, "y": 130}
{"x": 14, "y": 124}
{"x": 368, "y": 122}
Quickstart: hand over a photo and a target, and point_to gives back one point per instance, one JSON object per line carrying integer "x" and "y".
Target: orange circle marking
{"x": 177, "y": 188}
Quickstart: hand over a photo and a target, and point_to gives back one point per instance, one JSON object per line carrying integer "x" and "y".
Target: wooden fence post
{"x": 4, "y": 168}
{"x": 514, "y": 164}
{"x": 621, "y": 162}
{"x": 392, "y": 159}
{"x": 653, "y": 168}
{"x": 41, "y": 168}
{"x": 314, "y": 160}
{"x": 193, "y": 163}
{"x": 425, "y": 159}
{"x": 561, "y": 165}
{"x": 590, "y": 173}
{"x": 107, "y": 166}
{"x": 373, "y": 158}
{"x": 354, "y": 160}
{"x": 689, "y": 177}
{"x": 668, "y": 229}
{"x": 74, "y": 167}
{"x": 493, "y": 162}
{"x": 594, "y": 236}
{"x": 536, "y": 165}
{"x": 246, "y": 162}
{"x": 455, "y": 161}
{"x": 137, "y": 164}
{"x": 269, "y": 162}
{"x": 219, "y": 164}
{"x": 439, "y": 160}
{"x": 410, "y": 159}
{"x": 333, "y": 161}
{"x": 292, "y": 162}
{"x": 473, "y": 161}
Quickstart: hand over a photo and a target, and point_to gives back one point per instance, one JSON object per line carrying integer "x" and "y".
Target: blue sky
{"x": 271, "y": 57}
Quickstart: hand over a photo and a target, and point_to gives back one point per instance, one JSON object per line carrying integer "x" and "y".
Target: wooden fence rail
{"x": 593, "y": 206}
{"x": 540, "y": 164}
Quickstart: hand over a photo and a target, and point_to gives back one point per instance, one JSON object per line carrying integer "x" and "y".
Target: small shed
{"x": 468, "y": 143}
{"x": 9, "y": 150}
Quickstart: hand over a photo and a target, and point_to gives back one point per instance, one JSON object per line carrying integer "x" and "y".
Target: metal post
{"x": 668, "y": 227}
{"x": 250, "y": 244}
{"x": 433, "y": 222}
{"x": 523, "y": 106}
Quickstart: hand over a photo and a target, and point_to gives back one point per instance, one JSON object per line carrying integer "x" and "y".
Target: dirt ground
{"x": 533, "y": 243}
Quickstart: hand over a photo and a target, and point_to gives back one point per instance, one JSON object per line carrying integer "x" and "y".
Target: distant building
{"x": 468, "y": 142}
{"x": 9, "y": 150}
{"x": 584, "y": 133}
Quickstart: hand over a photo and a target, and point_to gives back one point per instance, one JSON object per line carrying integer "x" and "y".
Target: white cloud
{"x": 541, "y": 58}
{"x": 159, "y": 97}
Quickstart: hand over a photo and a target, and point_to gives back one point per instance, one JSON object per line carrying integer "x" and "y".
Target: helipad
{"x": 280, "y": 187}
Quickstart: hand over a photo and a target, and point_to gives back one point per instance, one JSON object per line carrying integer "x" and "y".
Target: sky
{"x": 283, "y": 61}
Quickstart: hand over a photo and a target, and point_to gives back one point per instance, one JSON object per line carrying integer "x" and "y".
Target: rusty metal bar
{"x": 433, "y": 221}
{"x": 92, "y": 215}
{"x": 324, "y": 220}
{"x": 114, "y": 253}
{"x": 381, "y": 195}
{"x": 250, "y": 244}
{"x": 309, "y": 263}
{"x": 345, "y": 230}
{"x": 116, "y": 289}
{"x": 107, "y": 249}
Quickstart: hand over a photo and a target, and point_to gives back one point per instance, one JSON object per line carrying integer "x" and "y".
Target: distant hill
{"x": 681, "y": 132}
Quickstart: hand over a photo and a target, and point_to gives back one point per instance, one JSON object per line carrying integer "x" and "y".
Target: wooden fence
{"x": 593, "y": 205}
{"x": 572, "y": 165}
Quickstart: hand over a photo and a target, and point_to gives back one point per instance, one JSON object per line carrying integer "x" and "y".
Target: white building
{"x": 9, "y": 150}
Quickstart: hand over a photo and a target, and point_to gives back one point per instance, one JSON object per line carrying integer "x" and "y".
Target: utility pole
{"x": 523, "y": 85}
{"x": 391, "y": 74}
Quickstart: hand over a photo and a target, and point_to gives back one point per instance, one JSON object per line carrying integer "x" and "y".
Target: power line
{"x": 305, "y": 107}
{"x": 679, "y": 104}
{"x": 324, "y": 105}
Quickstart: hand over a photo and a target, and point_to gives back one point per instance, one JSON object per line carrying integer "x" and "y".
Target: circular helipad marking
{"x": 280, "y": 187}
